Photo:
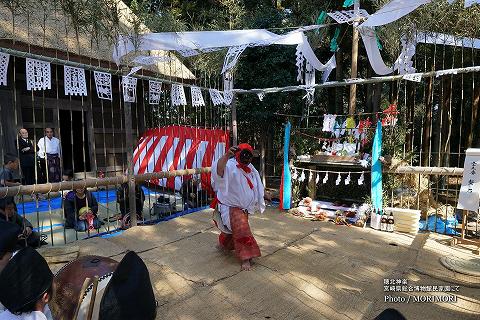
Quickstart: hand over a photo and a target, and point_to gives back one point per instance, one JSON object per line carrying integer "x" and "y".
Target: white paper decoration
{"x": 134, "y": 70}
{"x": 415, "y": 77}
{"x": 325, "y": 179}
{"x": 103, "y": 82}
{"x": 154, "y": 90}
{"x": 129, "y": 86}
{"x": 339, "y": 179}
{"x": 347, "y": 179}
{"x": 74, "y": 81}
{"x": 216, "y": 96}
{"x": 232, "y": 57}
{"x": 178, "y": 96}
{"x": 228, "y": 97}
{"x": 197, "y": 97}
{"x": 38, "y": 75}
{"x": 4, "y": 58}
{"x": 261, "y": 95}
{"x": 361, "y": 179}
{"x": 294, "y": 174}
{"x": 348, "y": 15}
{"x": 302, "y": 176}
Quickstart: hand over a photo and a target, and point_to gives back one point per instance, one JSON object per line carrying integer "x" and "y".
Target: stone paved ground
{"x": 309, "y": 270}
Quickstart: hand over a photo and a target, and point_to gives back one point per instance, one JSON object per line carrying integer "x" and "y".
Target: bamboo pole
{"x": 91, "y": 183}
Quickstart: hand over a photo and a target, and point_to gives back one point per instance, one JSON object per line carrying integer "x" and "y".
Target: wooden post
{"x": 132, "y": 204}
{"x": 234, "y": 122}
{"x": 352, "y": 103}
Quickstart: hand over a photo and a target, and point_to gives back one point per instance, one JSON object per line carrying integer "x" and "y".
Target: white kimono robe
{"x": 233, "y": 190}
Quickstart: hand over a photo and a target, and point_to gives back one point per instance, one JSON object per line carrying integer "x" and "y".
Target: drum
{"x": 69, "y": 280}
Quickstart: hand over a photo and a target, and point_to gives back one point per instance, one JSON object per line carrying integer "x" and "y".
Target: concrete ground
{"x": 308, "y": 270}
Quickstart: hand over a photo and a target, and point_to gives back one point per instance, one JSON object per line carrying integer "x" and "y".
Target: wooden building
{"x": 91, "y": 130}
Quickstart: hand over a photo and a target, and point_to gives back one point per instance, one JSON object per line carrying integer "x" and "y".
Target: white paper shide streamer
{"x": 177, "y": 95}
{"x": 154, "y": 90}
{"x": 302, "y": 176}
{"x": 361, "y": 179}
{"x": 129, "y": 86}
{"x": 103, "y": 83}
{"x": 197, "y": 97}
{"x": 339, "y": 179}
{"x": 38, "y": 75}
{"x": 74, "y": 81}
{"x": 232, "y": 56}
{"x": 4, "y": 58}
{"x": 325, "y": 179}
{"x": 347, "y": 179}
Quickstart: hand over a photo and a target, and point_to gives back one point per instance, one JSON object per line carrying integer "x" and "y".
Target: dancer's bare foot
{"x": 246, "y": 266}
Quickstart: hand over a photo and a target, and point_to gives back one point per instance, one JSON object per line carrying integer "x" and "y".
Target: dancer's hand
{"x": 231, "y": 152}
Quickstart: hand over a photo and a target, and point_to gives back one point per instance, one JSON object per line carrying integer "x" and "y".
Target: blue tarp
{"x": 438, "y": 225}
{"x": 102, "y": 196}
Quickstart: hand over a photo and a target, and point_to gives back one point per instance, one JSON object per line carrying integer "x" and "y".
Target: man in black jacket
{"x": 26, "y": 152}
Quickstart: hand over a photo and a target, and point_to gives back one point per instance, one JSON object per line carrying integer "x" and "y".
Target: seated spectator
{"x": 27, "y": 286}
{"x": 26, "y": 236}
{"x": 192, "y": 195}
{"x": 10, "y": 165}
{"x": 123, "y": 201}
{"x": 80, "y": 208}
{"x": 8, "y": 242}
{"x": 67, "y": 175}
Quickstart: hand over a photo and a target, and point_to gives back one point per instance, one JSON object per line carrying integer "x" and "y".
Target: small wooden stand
{"x": 461, "y": 239}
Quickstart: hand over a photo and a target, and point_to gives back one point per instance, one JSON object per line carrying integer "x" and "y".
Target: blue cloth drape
{"x": 287, "y": 179}
{"x": 377, "y": 191}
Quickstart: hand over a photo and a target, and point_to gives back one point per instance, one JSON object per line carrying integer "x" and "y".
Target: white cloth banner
{"x": 373, "y": 53}
{"x": 195, "y": 42}
{"x": 469, "y": 196}
{"x": 393, "y": 11}
{"x": 330, "y": 65}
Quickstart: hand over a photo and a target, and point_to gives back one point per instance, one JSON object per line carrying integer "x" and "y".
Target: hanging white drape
{"x": 393, "y": 11}
{"x": 196, "y": 42}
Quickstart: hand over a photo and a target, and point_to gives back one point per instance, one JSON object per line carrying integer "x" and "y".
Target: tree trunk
{"x": 472, "y": 135}
{"x": 339, "y": 76}
{"x": 427, "y": 123}
{"x": 263, "y": 159}
{"x": 370, "y": 92}
{"x": 446, "y": 122}
{"x": 410, "y": 106}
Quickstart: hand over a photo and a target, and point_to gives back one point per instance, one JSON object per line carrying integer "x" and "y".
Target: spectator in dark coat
{"x": 80, "y": 208}
{"x": 26, "y": 152}
{"x": 26, "y": 237}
